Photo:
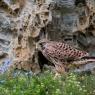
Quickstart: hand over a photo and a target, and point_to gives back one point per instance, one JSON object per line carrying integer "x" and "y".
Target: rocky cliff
{"x": 24, "y": 22}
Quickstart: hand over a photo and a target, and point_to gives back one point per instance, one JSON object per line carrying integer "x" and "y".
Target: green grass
{"x": 46, "y": 84}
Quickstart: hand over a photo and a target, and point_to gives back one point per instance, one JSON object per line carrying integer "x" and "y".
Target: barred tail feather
{"x": 84, "y": 61}
{"x": 88, "y": 57}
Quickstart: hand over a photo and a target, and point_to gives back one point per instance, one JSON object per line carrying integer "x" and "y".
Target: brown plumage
{"x": 61, "y": 54}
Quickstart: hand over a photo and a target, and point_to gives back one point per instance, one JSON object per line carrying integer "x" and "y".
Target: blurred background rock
{"x": 24, "y": 22}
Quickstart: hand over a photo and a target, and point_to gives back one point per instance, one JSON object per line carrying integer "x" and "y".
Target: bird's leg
{"x": 56, "y": 75}
{"x": 60, "y": 68}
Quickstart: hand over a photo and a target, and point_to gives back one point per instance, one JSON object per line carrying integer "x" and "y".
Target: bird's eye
{"x": 42, "y": 45}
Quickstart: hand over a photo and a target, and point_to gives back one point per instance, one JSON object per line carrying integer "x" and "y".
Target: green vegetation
{"x": 46, "y": 84}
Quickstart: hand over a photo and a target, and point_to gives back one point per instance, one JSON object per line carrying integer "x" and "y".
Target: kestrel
{"x": 62, "y": 54}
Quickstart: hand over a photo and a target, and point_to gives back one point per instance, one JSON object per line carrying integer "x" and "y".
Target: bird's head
{"x": 41, "y": 44}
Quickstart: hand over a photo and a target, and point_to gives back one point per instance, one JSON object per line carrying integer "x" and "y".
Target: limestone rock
{"x": 24, "y": 22}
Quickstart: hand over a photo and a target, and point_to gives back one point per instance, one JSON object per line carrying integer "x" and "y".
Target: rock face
{"x": 24, "y": 22}
{"x": 20, "y": 24}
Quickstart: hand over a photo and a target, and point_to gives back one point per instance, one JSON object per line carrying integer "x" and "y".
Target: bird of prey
{"x": 62, "y": 54}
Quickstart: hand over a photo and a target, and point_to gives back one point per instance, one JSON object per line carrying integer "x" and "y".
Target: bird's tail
{"x": 88, "y": 57}
{"x": 84, "y": 60}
